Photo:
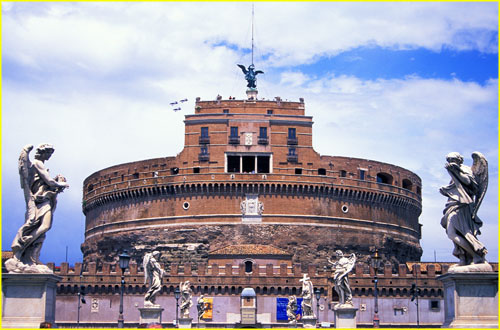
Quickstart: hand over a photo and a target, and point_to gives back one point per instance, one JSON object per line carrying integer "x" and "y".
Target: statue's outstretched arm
{"x": 44, "y": 174}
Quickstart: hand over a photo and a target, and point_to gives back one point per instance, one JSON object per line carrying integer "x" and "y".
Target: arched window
{"x": 384, "y": 178}
{"x": 407, "y": 184}
{"x": 248, "y": 266}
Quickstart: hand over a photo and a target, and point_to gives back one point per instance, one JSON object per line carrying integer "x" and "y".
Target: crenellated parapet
{"x": 265, "y": 279}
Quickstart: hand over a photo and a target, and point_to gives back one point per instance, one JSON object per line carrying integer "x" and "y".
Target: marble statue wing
{"x": 24, "y": 166}
{"x": 480, "y": 171}
{"x": 242, "y": 67}
{"x": 351, "y": 263}
{"x": 145, "y": 265}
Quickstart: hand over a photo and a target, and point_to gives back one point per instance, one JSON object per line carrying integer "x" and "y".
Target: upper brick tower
{"x": 248, "y": 174}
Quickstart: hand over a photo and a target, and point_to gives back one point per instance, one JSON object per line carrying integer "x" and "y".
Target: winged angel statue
{"x": 250, "y": 75}
{"x": 465, "y": 193}
{"x": 186, "y": 298}
{"x": 342, "y": 267}
{"x": 152, "y": 275}
{"x": 40, "y": 194}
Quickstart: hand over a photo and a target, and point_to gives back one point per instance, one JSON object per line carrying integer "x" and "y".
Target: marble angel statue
{"x": 186, "y": 298}
{"x": 342, "y": 267}
{"x": 465, "y": 193}
{"x": 40, "y": 195}
{"x": 153, "y": 275}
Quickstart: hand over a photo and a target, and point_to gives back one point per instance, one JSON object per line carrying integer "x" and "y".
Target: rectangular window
{"x": 298, "y": 171}
{"x": 343, "y": 173}
{"x": 225, "y": 111}
{"x": 269, "y": 112}
{"x": 263, "y": 132}
{"x": 291, "y": 151}
{"x": 263, "y": 164}
{"x": 204, "y": 150}
{"x": 204, "y": 132}
{"x": 291, "y": 133}
{"x": 196, "y": 170}
{"x": 248, "y": 164}
{"x": 321, "y": 171}
{"x": 233, "y": 164}
{"x": 434, "y": 305}
{"x": 234, "y": 131}
{"x": 361, "y": 174}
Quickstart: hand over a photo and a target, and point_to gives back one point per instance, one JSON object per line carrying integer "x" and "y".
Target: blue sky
{"x": 403, "y": 83}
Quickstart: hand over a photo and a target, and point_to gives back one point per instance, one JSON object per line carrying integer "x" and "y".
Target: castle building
{"x": 248, "y": 174}
{"x": 248, "y": 203}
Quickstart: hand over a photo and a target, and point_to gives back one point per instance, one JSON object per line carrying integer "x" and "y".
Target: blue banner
{"x": 281, "y": 304}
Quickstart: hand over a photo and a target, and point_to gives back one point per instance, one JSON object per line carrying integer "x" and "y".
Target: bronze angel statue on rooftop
{"x": 465, "y": 193}
{"x": 40, "y": 195}
{"x": 250, "y": 75}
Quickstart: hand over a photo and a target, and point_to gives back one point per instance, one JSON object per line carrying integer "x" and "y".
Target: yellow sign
{"x": 209, "y": 305}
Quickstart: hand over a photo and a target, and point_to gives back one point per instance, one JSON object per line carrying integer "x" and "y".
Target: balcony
{"x": 292, "y": 158}
{"x": 292, "y": 141}
{"x": 234, "y": 139}
{"x": 204, "y": 157}
{"x": 264, "y": 140}
{"x": 204, "y": 140}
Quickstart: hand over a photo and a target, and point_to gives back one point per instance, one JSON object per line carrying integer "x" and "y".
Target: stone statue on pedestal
{"x": 186, "y": 299}
{"x": 307, "y": 297}
{"x": 291, "y": 309}
{"x": 152, "y": 276}
{"x": 340, "y": 276}
{"x": 40, "y": 194}
{"x": 465, "y": 193}
{"x": 200, "y": 305}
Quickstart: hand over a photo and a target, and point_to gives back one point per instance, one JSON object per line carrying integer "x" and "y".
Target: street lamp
{"x": 123, "y": 260}
{"x": 375, "y": 261}
{"x": 177, "y": 295}
{"x": 81, "y": 295}
{"x": 317, "y": 293}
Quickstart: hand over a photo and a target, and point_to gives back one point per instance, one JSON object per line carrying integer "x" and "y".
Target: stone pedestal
{"x": 185, "y": 322}
{"x": 470, "y": 300}
{"x": 150, "y": 315}
{"x": 309, "y": 322}
{"x": 28, "y": 300}
{"x": 252, "y": 93}
{"x": 345, "y": 316}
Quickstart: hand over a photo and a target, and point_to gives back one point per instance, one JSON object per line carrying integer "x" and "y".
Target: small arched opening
{"x": 385, "y": 178}
{"x": 248, "y": 266}
{"x": 407, "y": 184}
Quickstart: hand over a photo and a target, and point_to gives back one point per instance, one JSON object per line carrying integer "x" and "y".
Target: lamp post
{"x": 415, "y": 292}
{"x": 375, "y": 261}
{"x": 81, "y": 295}
{"x": 124, "y": 259}
{"x": 177, "y": 295}
{"x": 317, "y": 293}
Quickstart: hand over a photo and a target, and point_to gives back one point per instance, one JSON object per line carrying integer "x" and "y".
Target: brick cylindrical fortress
{"x": 248, "y": 174}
